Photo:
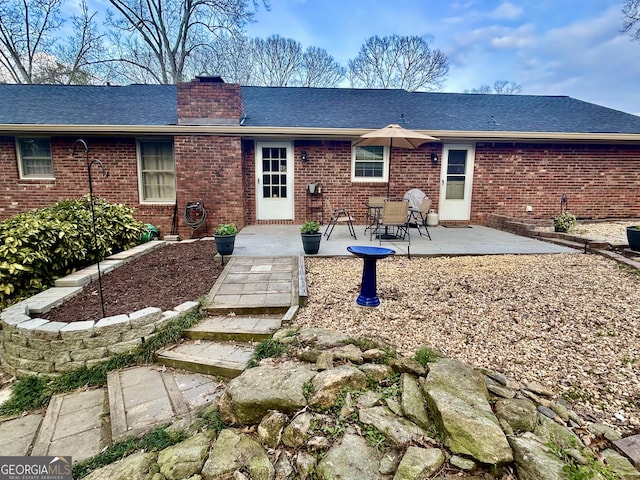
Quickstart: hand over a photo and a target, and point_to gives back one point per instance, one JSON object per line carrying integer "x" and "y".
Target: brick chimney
{"x": 209, "y": 101}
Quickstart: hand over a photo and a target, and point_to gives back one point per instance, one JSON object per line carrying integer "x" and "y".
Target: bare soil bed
{"x": 164, "y": 278}
{"x": 569, "y": 321}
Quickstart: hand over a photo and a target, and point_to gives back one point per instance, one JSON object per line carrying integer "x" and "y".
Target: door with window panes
{"x": 456, "y": 179}
{"x": 274, "y": 181}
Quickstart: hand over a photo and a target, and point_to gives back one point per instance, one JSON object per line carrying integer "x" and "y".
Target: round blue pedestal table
{"x": 370, "y": 255}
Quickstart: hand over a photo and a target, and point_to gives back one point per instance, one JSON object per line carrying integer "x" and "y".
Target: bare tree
{"x": 231, "y": 57}
{"x": 319, "y": 69}
{"x": 27, "y": 32}
{"x": 157, "y": 39}
{"x": 83, "y": 54}
{"x": 32, "y": 50}
{"x": 277, "y": 60}
{"x": 398, "y": 62}
{"x": 503, "y": 87}
{"x": 631, "y": 18}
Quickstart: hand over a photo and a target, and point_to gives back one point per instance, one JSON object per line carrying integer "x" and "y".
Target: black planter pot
{"x": 225, "y": 244}
{"x": 311, "y": 242}
{"x": 633, "y": 237}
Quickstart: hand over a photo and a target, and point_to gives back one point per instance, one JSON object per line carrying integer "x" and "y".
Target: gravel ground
{"x": 568, "y": 321}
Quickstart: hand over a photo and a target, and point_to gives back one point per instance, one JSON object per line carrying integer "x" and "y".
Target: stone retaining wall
{"x": 31, "y": 345}
{"x": 37, "y": 346}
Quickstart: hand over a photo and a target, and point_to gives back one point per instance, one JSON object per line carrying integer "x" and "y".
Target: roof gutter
{"x": 307, "y": 132}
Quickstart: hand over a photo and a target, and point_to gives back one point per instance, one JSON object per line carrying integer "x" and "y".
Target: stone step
{"x": 141, "y": 398}
{"x": 204, "y": 356}
{"x": 235, "y": 328}
{"x": 73, "y": 425}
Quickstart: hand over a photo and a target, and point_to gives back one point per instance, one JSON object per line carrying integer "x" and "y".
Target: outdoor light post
{"x": 105, "y": 174}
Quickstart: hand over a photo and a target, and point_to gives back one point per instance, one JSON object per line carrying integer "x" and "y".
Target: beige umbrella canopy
{"x": 394, "y": 136}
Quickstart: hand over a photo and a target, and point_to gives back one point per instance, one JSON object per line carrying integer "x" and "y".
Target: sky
{"x": 549, "y": 47}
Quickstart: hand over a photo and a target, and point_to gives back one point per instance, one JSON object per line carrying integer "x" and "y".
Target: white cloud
{"x": 506, "y": 11}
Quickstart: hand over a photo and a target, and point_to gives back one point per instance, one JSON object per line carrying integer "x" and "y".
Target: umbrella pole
{"x": 389, "y": 174}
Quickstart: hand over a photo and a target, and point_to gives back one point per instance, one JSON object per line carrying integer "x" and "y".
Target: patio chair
{"x": 338, "y": 215}
{"x": 394, "y": 223}
{"x": 419, "y": 216}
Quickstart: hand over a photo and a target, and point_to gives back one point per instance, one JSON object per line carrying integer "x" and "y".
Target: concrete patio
{"x": 277, "y": 240}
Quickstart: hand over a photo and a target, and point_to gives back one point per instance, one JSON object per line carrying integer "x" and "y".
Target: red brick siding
{"x": 209, "y": 169}
{"x": 600, "y": 181}
{"x": 71, "y": 179}
{"x": 329, "y": 163}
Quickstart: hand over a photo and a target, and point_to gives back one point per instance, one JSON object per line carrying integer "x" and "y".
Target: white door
{"x": 456, "y": 178}
{"x": 274, "y": 181}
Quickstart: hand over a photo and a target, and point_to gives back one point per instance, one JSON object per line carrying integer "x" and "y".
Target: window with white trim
{"x": 34, "y": 157}
{"x": 157, "y": 170}
{"x": 369, "y": 164}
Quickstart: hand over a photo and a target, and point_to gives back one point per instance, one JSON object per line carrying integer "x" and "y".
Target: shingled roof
{"x": 88, "y": 105}
{"x": 322, "y": 108}
{"x": 356, "y": 108}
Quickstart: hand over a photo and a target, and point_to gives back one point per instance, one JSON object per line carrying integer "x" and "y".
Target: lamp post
{"x": 105, "y": 174}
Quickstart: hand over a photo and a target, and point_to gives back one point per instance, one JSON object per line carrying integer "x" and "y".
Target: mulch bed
{"x": 163, "y": 278}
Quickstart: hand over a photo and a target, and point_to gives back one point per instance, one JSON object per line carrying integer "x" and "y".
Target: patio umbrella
{"x": 394, "y": 136}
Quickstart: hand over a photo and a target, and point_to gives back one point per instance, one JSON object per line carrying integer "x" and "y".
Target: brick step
{"x": 204, "y": 356}
{"x": 235, "y": 328}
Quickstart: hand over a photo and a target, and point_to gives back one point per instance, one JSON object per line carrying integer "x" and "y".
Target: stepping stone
{"x": 630, "y": 446}
{"x": 73, "y": 426}
{"x": 242, "y": 329}
{"x": 142, "y": 398}
{"x": 224, "y": 359}
{"x": 17, "y": 435}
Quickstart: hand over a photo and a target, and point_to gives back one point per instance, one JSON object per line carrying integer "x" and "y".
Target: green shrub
{"x": 564, "y": 222}
{"x": 40, "y": 246}
{"x": 226, "y": 229}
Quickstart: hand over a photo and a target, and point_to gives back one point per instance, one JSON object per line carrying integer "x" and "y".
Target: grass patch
{"x": 34, "y": 392}
{"x": 153, "y": 441}
{"x": 425, "y": 355}
{"x": 267, "y": 349}
{"x": 577, "y": 471}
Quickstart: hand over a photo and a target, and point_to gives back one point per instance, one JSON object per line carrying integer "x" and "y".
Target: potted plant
{"x": 225, "y": 236}
{"x": 564, "y": 222}
{"x": 633, "y": 237}
{"x": 311, "y": 236}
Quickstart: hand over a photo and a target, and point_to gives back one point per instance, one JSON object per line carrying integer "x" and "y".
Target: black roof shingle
{"x": 155, "y": 105}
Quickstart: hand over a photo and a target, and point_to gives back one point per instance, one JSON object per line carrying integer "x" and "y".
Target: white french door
{"x": 456, "y": 181}
{"x": 274, "y": 181}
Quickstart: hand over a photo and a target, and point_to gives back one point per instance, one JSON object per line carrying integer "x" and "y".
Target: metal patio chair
{"x": 339, "y": 215}
{"x": 418, "y": 216}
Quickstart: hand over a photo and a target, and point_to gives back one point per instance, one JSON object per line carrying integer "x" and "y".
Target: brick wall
{"x": 209, "y": 169}
{"x": 600, "y": 181}
{"x": 329, "y": 162}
